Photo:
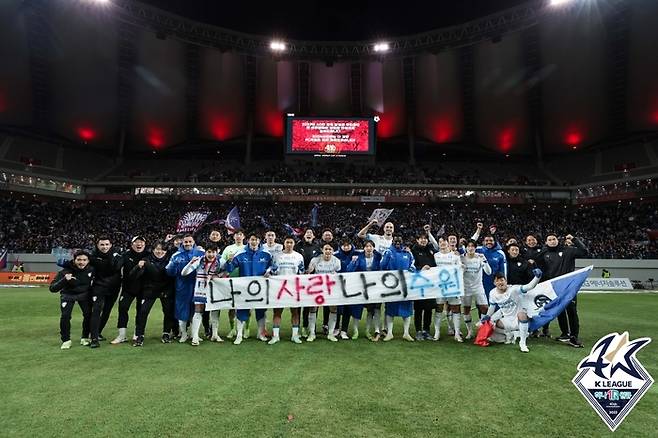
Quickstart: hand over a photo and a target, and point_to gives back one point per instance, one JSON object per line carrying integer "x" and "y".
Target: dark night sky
{"x": 336, "y": 20}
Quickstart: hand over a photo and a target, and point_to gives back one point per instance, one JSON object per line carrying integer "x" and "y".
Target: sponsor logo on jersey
{"x": 612, "y": 379}
{"x": 541, "y": 300}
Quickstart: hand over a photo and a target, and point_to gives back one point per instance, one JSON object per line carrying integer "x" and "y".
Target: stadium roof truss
{"x": 495, "y": 25}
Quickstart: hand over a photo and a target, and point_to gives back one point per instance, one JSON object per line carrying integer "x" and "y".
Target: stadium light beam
{"x": 557, "y": 3}
{"x": 278, "y": 46}
{"x": 382, "y": 47}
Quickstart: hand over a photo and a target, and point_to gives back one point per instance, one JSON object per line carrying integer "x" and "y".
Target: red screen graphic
{"x": 330, "y": 136}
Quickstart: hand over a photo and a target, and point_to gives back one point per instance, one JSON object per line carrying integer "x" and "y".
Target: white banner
{"x": 607, "y": 284}
{"x": 373, "y": 198}
{"x": 333, "y": 289}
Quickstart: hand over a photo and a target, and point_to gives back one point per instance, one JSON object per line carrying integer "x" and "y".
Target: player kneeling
{"x": 508, "y": 299}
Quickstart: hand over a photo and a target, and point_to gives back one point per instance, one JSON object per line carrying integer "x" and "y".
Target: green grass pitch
{"x": 352, "y": 388}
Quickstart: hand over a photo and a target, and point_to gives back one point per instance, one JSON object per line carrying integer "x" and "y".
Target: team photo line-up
{"x": 178, "y": 271}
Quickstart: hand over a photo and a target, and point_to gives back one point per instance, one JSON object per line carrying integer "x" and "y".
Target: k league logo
{"x": 612, "y": 379}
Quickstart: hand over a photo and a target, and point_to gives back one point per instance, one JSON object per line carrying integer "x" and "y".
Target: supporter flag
{"x": 232, "y": 222}
{"x": 314, "y": 215}
{"x": 3, "y": 258}
{"x": 380, "y": 215}
{"x": 546, "y": 301}
{"x": 191, "y": 221}
{"x": 264, "y": 222}
{"x": 292, "y": 230}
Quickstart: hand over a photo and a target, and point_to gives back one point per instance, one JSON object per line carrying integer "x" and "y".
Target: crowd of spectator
{"x": 610, "y": 231}
{"x": 328, "y": 172}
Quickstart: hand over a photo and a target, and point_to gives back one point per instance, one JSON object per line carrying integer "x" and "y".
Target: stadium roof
{"x": 338, "y": 20}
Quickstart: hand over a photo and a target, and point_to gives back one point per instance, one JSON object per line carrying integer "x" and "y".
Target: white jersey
{"x": 473, "y": 267}
{"x": 381, "y": 243}
{"x": 446, "y": 258}
{"x": 204, "y": 273}
{"x": 288, "y": 263}
{"x": 508, "y": 301}
{"x": 323, "y": 266}
{"x": 274, "y": 249}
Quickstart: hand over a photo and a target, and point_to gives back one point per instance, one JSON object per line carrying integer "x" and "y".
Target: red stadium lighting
{"x": 506, "y": 139}
{"x": 573, "y": 138}
{"x": 155, "y": 137}
{"x": 654, "y": 116}
{"x": 444, "y": 131}
{"x": 3, "y": 102}
{"x": 220, "y": 127}
{"x": 86, "y": 133}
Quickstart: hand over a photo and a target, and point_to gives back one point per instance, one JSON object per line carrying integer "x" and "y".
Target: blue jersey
{"x": 250, "y": 262}
{"x": 184, "y": 283}
{"x": 498, "y": 263}
{"x": 345, "y": 258}
{"x": 395, "y": 258}
{"x": 361, "y": 263}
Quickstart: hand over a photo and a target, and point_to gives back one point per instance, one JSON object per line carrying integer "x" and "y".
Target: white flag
{"x": 191, "y": 221}
{"x": 380, "y": 215}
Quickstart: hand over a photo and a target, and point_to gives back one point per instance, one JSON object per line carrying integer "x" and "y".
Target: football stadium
{"x": 329, "y": 219}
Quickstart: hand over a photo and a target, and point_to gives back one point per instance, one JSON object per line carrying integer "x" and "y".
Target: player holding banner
{"x": 398, "y": 257}
{"x": 366, "y": 260}
{"x": 252, "y": 261}
{"x": 206, "y": 269}
{"x": 327, "y": 263}
{"x": 287, "y": 262}
{"x": 508, "y": 299}
{"x": 447, "y": 257}
{"x": 382, "y": 243}
{"x": 230, "y": 251}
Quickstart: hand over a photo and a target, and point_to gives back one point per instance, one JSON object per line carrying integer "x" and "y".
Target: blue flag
{"x": 546, "y": 301}
{"x": 232, "y": 222}
{"x": 314, "y": 215}
{"x": 292, "y": 230}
